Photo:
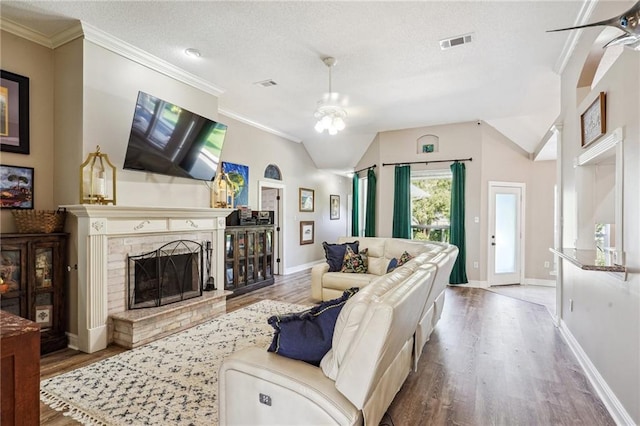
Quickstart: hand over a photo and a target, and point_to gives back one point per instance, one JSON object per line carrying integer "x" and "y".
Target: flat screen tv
{"x": 170, "y": 140}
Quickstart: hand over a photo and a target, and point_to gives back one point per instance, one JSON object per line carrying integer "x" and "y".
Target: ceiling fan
{"x": 629, "y": 22}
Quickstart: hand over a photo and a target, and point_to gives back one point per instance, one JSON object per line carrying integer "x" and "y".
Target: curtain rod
{"x": 427, "y": 162}
{"x": 366, "y": 168}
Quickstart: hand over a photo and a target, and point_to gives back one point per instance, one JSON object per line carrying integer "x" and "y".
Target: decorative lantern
{"x": 223, "y": 192}
{"x": 97, "y": 179}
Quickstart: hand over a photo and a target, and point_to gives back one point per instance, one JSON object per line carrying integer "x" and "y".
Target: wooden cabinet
{"x": 248, "y": 257}
{"x": 20, "y": 364}
{"x": 33, "y": 272}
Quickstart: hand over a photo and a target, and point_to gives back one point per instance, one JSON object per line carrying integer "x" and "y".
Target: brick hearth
{"x": 140, "y": 326}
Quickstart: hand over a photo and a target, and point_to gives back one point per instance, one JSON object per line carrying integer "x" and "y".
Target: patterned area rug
{"x": 170, "y": 381}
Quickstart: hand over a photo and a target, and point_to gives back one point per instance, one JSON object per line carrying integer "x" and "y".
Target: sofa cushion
{"x": 341, "y": 281}
{"x": 307, "y": 335}
{"x": 355, "y": 262}
{"x": 334, "y": 254}
{"x": 351, "y": 315}
{"x": 378, "y": 265}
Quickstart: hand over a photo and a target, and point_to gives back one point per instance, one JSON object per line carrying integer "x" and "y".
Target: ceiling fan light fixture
{"x": 329, "y": 114}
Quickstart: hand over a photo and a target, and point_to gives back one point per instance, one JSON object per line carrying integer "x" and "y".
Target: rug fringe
{"x": 75, "y": 413}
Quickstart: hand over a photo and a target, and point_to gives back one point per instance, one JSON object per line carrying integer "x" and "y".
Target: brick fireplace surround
{"x": 102, "y": 237}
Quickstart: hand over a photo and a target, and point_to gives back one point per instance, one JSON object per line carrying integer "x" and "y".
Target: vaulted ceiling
{"x": 391, "y": 71}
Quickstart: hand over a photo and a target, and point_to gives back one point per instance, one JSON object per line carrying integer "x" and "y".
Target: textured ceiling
{"x": 391, "y": 71}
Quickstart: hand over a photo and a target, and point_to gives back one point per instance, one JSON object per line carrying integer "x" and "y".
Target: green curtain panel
{"x": 370, "y": 223}
{"x": 402, "y": 203}
{"x": 355, "y": 213}
{"x": 457, "y": 237}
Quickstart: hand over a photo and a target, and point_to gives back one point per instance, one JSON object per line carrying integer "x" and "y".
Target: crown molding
{"x": 257, "y": 125}
{"x": 113, "y": 44}
{"x": 148, "y": 60}
{"x": 24, "y": 32}
{"x": 570, "y": 45}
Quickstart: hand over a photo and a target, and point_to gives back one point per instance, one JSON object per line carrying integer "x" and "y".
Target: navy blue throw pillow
{"x": 335, "y": 254}
{"x": 307, "y": 335}
{"x": 393, "y": 264}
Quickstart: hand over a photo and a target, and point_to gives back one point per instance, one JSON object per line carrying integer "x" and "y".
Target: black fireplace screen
{"x": 167, "y": 275}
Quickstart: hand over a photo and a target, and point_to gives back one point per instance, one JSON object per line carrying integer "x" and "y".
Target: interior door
{"x": 271, "y": 198}
{"x": 505, "y": 233}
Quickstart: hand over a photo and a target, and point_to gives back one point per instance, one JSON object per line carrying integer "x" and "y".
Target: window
{"x": 430, "y": 205}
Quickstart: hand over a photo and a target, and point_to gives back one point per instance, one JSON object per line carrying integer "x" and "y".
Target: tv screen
{"x": 170, "y": 140}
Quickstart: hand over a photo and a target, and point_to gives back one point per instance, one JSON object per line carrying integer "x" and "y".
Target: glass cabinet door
{"x": 241, "y": 245}
{"x": 228, "y": 245}
{"x": 251, "y": 236}
{"x": 269, "y": 237}
{"x": 43, "y": 305}
{"x": 13, "y": 291}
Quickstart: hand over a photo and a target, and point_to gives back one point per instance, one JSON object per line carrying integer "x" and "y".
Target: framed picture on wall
{"x": 14, "y": 113}
{"x": 16, "y": 187}
{"x": 593, "y": 122}
{"x": 334, "y": 207}
{"x": 307, "y": 202}
{"x": 306, "y": 231}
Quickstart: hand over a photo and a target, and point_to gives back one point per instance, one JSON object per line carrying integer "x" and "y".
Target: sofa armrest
{"x": 258, "y": 387}
{"x": 317, "y": 271}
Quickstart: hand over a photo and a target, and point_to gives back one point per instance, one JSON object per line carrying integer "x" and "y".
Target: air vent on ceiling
{"x": 266, "y": 83}
{"x": 455, "y": 41}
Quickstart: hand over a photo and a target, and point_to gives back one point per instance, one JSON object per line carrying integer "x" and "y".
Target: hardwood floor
{"x": 491, "y": 360}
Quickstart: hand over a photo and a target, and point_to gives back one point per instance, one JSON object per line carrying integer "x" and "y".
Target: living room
{"x": 83, "y": 93}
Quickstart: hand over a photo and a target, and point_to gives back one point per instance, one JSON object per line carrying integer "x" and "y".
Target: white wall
{"x": 605, "y": 320}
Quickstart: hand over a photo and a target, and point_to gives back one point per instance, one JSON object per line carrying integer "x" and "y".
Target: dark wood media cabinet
{"x": 248, "y": 258}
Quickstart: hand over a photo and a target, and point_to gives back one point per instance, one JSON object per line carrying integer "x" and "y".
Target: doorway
{"x": 271, "y": 197}
{"x": 506, "y": 233}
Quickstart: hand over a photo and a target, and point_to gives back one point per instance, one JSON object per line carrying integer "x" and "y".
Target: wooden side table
{"x": 20, "y": 365}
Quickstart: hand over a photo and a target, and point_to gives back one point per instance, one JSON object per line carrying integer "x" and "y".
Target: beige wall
{"x": 31, "y": 60}
{"x": 95, "y": 94}
{"x": 495, "y": 158}
{"x": 605, "y": 319}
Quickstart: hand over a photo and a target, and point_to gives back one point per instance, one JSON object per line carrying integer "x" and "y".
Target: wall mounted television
{"x": 171, "y": 140}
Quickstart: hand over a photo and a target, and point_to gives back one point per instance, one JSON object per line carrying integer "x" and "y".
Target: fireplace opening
{"x": 167, "y": 275}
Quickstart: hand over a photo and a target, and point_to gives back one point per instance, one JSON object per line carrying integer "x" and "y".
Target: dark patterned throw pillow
{"x": 355, "y": 262}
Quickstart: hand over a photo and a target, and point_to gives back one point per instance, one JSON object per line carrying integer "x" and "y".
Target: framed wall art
{"x": 307, "y": 231}
{"x": 239, "y": 175}
{"x": 16, "y": 187}
{"x": 14, "y": 113}
{"x": 593, "y": 122}
{"x": 334, "y": 207}
{"x": 307, "y": 201}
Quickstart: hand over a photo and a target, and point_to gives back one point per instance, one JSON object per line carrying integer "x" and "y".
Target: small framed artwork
{"x": 44, "y": 315}
{"x": 593, "y": 122}
{"x": 334, "y": 207}
{"x": 307, "y": 202}
{"x": 14, "y": 113}
{"x": 306, "y": 231}
{"x": 16, "y": 187}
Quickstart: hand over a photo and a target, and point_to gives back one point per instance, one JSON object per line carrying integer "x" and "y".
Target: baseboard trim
{"x": 302, "y": 267}
{"x": 73, "y": 341}
{"x": 613, "y": 404}
{"x": 476, "y": 284}
{"x": 540, "y": 282}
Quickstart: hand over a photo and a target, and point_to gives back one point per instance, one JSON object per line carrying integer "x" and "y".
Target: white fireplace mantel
{"x": 95, "y": 224}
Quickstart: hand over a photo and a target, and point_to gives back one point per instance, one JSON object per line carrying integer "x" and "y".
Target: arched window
{"x": 272, "y": 172}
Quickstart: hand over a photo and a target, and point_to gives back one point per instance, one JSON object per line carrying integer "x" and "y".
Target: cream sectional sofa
{"x": 327, "y": 285}
{"x": 378, "y": 337}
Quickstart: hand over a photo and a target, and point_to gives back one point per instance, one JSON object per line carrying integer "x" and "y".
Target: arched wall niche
{"x": 597, "y": 62}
